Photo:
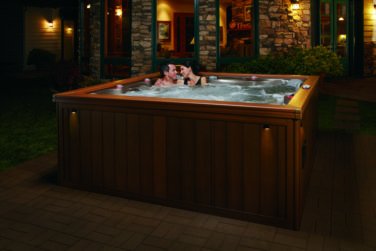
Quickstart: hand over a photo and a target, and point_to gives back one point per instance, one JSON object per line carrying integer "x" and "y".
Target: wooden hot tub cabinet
{"x": 244, "y": 160}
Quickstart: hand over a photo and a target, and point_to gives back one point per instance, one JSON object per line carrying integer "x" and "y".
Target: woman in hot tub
{"x": 189, "y": 70}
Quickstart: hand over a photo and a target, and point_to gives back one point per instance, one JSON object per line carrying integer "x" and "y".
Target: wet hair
{"x": 193, "y": 64}
{"x": 164, "y": 67}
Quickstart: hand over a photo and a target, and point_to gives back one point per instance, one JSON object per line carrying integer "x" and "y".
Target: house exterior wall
{"x": 369, "y": 38}
{"x": 279, "y": 28}
{"x": 38, "y": 34}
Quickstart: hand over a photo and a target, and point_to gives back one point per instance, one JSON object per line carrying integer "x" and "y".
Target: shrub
{"x": 42, "y": 59}
{"x": 314, "y": 61}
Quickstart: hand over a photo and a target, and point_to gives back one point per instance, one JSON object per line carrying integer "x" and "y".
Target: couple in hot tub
{"x": 189, "y": 71}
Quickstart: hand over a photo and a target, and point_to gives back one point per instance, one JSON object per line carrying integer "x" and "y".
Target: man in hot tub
{"x": 168, "y": 75}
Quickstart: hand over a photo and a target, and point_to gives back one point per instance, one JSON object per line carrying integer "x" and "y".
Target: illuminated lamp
{"x": 295, "y": 4}
{"x": 50, "y": 23}
{"x": 118, "y": 11}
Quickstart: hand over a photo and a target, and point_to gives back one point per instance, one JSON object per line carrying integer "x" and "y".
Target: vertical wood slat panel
{"x": 120, "y": 151}
{"x": 146, "y": 149}
{"x": 159, "y": 157}
{"x": 65, "y": 156}
{"x": 74, "y": 148}
{"x": 281, "y": 170}
{"x": 108, "y": 150}
{"x": 203, "y": 162}
{"x": 268, "y": 172}
{"x": 188, "y": 159}
{"x": 173, "y": 159}
{"x": 211, "y": 163}
{"x": 219, "y": 154}
{"x": 235, "y": 165}
{"x": 133, "y": 153}
{"x": 85, "y": 146}
{"x": 96, "y": 135}
{"x": 252, "y": 168}
{"x": 294, "y": 172}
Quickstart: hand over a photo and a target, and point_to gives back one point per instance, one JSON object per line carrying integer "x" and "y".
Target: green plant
{"x": 319, "y": 60}
{"x": 42, "y": 59}
{"x": 89, "y": 81}
{"x": 313, "y": 61}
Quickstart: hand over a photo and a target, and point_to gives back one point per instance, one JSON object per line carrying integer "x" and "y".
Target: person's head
{"x": 189, "y": 67}
{"x": 168, "y": 70}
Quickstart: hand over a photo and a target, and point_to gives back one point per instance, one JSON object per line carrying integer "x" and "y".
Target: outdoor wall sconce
{"x": 50, "y": 23}
{"x": 295, "y": 4}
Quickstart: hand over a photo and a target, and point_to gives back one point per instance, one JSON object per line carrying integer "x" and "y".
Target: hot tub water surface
{"x": 265, "y": 91}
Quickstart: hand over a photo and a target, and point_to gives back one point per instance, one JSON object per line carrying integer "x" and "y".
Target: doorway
{"x": 184, "y": 35}
{"x": 336, "y": 29}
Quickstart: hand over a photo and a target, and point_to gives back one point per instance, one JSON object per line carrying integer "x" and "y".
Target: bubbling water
{"x": 270, "y": 91}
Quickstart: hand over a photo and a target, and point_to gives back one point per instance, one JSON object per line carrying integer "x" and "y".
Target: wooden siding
{"x": 369, "y": 21}
{"x": 369, "y": 37}
{"x": 38, "y": 34}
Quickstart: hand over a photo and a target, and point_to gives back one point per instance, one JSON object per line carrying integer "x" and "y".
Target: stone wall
{"x": 141, "y": 37}
{"x": 95, "y": 38}
{"x": 281, "y": 28}
{"x": 207, "y": 33}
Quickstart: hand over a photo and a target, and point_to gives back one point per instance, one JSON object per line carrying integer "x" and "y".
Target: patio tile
{"x": 339, "y": 214}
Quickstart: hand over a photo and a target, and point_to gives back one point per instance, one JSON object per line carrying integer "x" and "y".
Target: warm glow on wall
{"x": 164, "y": 12}
{"x": 69, "y": 30}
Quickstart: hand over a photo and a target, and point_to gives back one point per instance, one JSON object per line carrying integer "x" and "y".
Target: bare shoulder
{"x": 204, "y": 81}
{"x": 159, "y": 82}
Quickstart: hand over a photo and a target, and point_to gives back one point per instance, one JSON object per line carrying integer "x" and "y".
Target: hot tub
{"x": 244, "y": 159}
